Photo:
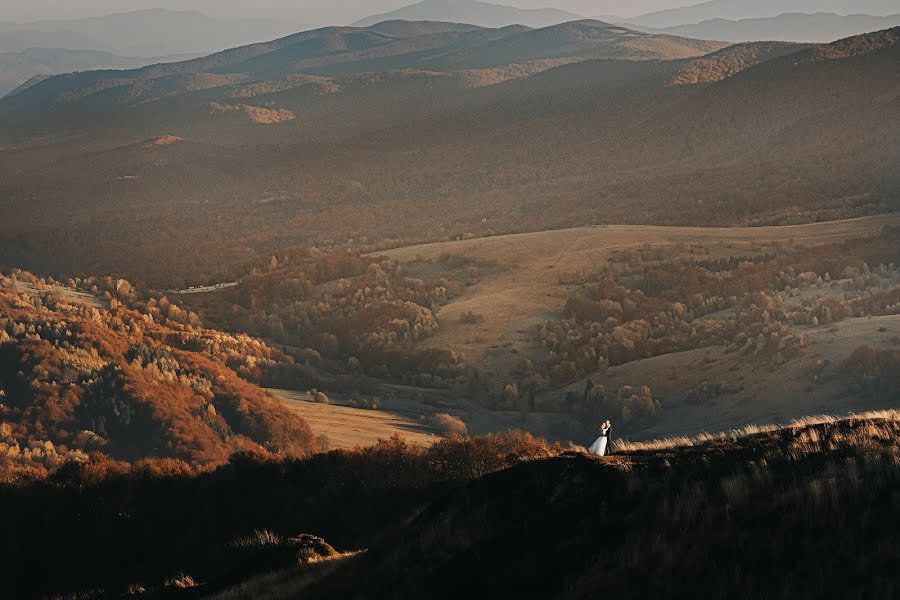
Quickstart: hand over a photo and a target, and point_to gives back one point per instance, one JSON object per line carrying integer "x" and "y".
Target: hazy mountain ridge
{"x": 18, "y": 40}
{"x": 795, "y": 27}
{"x": 153, "y": 32}
{"x": 20, "y": 70}
{"x": 119, "y": 41}
{"x": 472, "y": 11}
{"x": 739, "y": 9}
{"x": 396, "y": 45}
{"x": 584, "y": 39}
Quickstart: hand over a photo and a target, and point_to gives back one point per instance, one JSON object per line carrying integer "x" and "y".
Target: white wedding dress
{"x": 599, "y": 447}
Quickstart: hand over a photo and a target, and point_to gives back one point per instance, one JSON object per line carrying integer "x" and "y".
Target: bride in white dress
{"x": 600, "y": 446}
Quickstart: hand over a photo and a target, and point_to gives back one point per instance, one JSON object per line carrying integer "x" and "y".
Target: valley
{"x": 513, "y": 291}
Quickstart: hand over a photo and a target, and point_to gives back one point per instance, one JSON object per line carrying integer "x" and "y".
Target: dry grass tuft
{"x": 259, "y": 539}
{"x": 181, "y": 581}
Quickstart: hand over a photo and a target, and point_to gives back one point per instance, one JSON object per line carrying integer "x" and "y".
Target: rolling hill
{"x": 269, "y": 150}
{"x": 474, "y": 12}
{"x": 389, "y": 46}
{"x": 530, "y": 290}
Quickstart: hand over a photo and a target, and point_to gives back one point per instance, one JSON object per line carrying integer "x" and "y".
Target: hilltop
{"x": 19, "y": 70}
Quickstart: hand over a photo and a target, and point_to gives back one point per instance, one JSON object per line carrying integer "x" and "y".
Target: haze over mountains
{"x": 34, "y": 64}
{"x": 795, "y": 27}
{"x": 739, "y": 9}
{"x": 143, "y": 33}
{"x": 472, "y": 11}
{"x": 121, "y": 41}
{"x": 131, "y": 39}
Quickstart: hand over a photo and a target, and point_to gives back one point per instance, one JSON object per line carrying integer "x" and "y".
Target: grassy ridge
{"x": 803, "y": 511}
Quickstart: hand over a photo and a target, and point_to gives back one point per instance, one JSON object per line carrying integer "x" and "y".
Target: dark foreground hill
{"x": 800, "y": 512}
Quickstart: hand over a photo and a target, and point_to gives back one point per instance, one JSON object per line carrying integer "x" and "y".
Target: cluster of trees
{"x": 653, "y": 301}
{"x": 174, "y": 325}
{"x": 343, "y": 312}
{"x": 625, "y": 404}
{"x": 875, "y": 372}
{"x": 77, "y": 380}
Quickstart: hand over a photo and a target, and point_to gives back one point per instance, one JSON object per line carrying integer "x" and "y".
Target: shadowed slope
{"x": 734, "y": 516}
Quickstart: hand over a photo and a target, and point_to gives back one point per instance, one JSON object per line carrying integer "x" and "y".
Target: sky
{"x": 310, "y": 12}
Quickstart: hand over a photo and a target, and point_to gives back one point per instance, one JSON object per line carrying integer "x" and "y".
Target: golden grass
{"x": 734, "y": 435}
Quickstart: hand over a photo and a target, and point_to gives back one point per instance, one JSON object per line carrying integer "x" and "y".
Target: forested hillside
{"x": 128, "y": 381}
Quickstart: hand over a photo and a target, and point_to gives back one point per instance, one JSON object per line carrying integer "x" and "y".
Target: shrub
{"x": 448, "y": 424}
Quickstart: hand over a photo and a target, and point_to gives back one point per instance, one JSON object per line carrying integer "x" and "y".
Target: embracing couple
{"x": 602, "y": 447}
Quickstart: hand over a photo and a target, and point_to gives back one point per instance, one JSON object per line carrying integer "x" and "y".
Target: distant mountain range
{"x": 795, "y": 27}
{"x": 32, "y": 51}
{"x": 757, "y": 9}
{"x": 421, "y": 130}
{"x": 430, "y": 47}
{"x": 474, "y": 12}
{"x": 36, "y": 64}
{"x": 145, "y": 33}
